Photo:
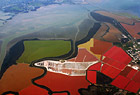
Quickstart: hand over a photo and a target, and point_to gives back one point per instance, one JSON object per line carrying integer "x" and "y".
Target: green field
{"x": 35, "y": 50}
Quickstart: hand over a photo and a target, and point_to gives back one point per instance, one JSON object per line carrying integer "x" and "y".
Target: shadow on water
{"x": 14, "y": 53}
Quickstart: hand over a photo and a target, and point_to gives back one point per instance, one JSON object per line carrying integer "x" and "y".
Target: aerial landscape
{"x": 69, "y": 47}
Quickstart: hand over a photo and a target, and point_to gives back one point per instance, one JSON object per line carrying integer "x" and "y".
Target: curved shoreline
{"x": 50, "y": 92}
{"x": 91, "y": 32}
{"x": 134, "y": 22}
{"x": 17, "y": 50}
{"x": 9, "y": 59}
{"x": 58, "y": 57}
{"x": 87, "y": 38}
{"x": 10, "y": 92}
{"x": 115, "y": 23}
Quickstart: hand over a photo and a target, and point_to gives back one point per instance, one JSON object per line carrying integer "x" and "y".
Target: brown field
{"x": 113, "y": 34}
{"x": 110, "y": 38}
{"x": 113, "y": 29}
{"x": 101, "y": 32}
{"x": 122, "y": 19}
{"x": 100, "y": 47}
{"x": 18, "y": 77}
{"x": 133, "y": 29}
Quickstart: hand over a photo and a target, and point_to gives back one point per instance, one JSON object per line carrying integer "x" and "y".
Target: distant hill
{"x": 4, "y": 3}
{"x": 9, "y": 2}
{"x": 16, "y": 6}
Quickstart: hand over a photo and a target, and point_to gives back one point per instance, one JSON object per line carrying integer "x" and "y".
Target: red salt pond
{"x": 57, "y": 82}
{"x": 60, "y": 82}
{"x": 33, "y": 90}
{"x": 84, "y": 56}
